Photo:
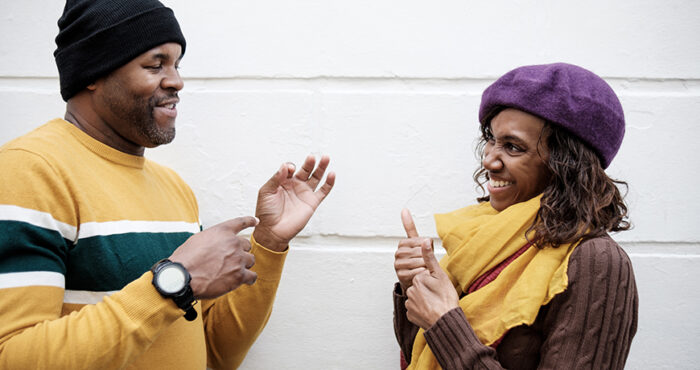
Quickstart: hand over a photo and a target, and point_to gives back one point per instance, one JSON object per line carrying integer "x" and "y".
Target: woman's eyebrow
{"x": 512, "y": 138}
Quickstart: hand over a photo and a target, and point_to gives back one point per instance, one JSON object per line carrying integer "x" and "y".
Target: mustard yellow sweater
{"x": 80, "y": 226}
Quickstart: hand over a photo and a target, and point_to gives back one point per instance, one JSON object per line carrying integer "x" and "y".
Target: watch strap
{"x": 186, "y": 302}
{"x": 184, "y": 299}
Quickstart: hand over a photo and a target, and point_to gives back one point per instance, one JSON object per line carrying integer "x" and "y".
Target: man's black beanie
{"x": 98, "y": 36}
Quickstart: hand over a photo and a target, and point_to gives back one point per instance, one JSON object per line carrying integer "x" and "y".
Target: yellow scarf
{"x": 477, "y": 239}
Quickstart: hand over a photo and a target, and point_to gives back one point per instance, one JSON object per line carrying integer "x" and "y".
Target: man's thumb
{"x": 429, "y": 256}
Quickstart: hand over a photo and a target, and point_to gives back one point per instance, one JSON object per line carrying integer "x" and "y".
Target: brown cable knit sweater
{"x": 588, "y": 326}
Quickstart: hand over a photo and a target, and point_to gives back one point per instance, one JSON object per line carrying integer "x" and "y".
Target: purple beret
{"x": 566, "y": 95}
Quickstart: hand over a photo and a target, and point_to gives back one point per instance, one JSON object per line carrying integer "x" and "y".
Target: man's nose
{"x": 173, "y": 80}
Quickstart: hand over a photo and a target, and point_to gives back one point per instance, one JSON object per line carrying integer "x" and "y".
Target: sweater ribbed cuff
{"x": 454, "y": 343}
{"x": 268, "y": 263}
{"x": 404, "y": 330}
{"x": 145, "y": 307}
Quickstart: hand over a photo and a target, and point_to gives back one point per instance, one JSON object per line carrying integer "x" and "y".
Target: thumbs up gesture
{"x": 432, "y": 294}
{"x": 408, "y": 260}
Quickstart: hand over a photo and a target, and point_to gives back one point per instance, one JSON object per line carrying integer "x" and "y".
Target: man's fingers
{"x": 249, "y": 277}
{"x": 317, "y": 175}
{"x": 408, "y": 223}
{"x": 239, "y": 224}
{"x": 429, "y": 257}
{"x": 285, "y": 171}
{"x": 322, "y": 193}
{"x": 250, "y": 260}
{"x": 246, "y": 244}
{"x": 306, "y": 169}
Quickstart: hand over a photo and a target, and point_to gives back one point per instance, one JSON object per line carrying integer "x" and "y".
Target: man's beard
{"x": 150, "y": 130}
{"x": 141, "y": 116}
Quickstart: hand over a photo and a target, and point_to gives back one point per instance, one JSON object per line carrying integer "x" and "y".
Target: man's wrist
{"x": 264, "y": 238}
{"x": 172, "y": 280}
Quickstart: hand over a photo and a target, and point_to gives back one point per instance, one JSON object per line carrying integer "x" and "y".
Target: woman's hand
{"x": 432, "y": 294}
{"x": 408, "y": 260}
{"x": 287, "y": 201}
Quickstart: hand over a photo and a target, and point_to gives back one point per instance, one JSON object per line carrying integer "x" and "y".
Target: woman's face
{"x": 515, "y": 157}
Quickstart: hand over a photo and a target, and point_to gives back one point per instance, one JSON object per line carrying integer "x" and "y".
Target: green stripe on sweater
{"x": 103, "y": 263}
{"x": 25, "y": 247}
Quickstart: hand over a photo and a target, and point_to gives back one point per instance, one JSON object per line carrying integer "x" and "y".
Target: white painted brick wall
{"x": 390, "y": 89}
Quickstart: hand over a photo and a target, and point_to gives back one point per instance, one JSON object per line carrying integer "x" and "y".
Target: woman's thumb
{"x": 429, "y": 256}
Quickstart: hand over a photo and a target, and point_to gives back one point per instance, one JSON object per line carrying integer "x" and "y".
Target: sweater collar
{"x": 103, "y": 150}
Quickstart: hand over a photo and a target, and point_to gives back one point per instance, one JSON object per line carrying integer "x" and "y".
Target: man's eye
{"x": 154, "y": 67}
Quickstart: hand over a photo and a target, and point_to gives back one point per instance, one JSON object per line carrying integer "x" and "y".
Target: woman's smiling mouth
{"x": 499, "y": 184}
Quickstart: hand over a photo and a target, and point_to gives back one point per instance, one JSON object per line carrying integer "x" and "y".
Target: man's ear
{"x": 95, "y": 84}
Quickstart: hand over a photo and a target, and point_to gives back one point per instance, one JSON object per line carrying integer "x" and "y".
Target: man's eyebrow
{"x": 161, "y": 56}
{"x": 164, "y": 57}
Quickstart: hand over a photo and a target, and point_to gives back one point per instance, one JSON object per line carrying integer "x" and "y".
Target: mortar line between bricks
{"x": 624, "y": 86}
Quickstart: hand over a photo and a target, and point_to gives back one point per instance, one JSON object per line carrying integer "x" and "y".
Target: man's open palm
{"x": 288, "y": 200}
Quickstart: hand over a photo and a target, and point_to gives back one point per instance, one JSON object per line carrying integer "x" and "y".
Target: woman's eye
{"x": 512, "y": 148}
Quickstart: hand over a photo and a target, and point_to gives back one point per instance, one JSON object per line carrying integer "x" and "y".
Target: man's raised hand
{"x": 287, "y": 201}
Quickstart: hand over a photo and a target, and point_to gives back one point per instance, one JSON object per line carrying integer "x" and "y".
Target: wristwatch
{"x": 172, "y": 280}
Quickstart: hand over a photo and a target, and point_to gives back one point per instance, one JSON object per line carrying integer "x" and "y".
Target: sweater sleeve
{"x": 591, "y": 324}
{"x": 107, "y": 335}
{"x": 36, "y": 228}
{"x": 234, "y": 321}
{"x": 404, "y": 330}
{"x": 456, "y": 346}
{"x": 588, "y": 326}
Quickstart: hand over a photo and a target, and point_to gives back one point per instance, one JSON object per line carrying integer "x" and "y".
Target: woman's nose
{"x": 492, "y": 159}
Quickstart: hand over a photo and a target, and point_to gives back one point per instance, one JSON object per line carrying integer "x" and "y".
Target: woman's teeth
{"x": 499, "y": 184}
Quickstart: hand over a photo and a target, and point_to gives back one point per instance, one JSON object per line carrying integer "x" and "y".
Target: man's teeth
{"x": 499, "y": 184}
{"x": 169, "y": 106}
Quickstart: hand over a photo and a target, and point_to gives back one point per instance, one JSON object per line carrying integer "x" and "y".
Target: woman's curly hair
{"x": 580, "y": 202}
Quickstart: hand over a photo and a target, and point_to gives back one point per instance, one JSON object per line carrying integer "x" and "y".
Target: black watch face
{"x": 171, "y": 279}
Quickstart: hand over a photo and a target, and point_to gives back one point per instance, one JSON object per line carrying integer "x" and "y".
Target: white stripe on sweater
{"x": 90, "y": 229}
{"x": 32, "y": 278}
{"x": 37, "y": 218}
{"x": 84, "y": 296}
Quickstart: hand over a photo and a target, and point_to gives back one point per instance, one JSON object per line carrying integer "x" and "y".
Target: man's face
{"x": 138, "y": 100}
